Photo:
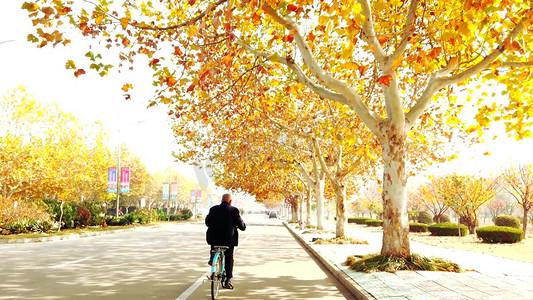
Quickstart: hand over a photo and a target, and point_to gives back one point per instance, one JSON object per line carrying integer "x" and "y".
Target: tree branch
{"x": 323, "y": 78}
{"x": 438, "y": 81}
{"x": 487, "y": 60}
{"x": 300, "y": 75}
{"x": 409, "y": 24}
{"x": 369, "y": 32}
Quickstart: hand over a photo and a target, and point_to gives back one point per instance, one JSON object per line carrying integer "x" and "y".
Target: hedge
{"x": 500, "y": 234}
{"x": 358, "y": 220}
{"x": 425, "y": 217}
{"x": 374, "y": 223}
{"x": 447, "y": 229}
{"x": 418, "y": 227}
{"x": 507, "y": 221}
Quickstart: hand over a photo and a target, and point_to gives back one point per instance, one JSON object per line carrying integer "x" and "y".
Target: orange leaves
{"x": 177, "y": 51}
{"x": 153, "y": 62}
{"x": 125, "y": 42}
{"x": 127, "y": 87}
{"x": 227, "y": 60}
{"x": 30, "y": 6}
{"x": 435, "y": 52}
{"x": 79, "y": 72}
{"x": 292, "y": 7}
{"x": 124, "y": 22}
{"x": 385, "y": 80}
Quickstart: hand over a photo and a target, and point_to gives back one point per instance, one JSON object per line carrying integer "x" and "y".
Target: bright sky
{"x": 92, "y": 98}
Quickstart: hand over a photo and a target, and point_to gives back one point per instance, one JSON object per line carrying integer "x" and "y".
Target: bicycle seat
{"x": 221, "y": 247}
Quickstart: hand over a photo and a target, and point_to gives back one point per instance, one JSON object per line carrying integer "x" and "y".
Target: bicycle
{"x": 218, "y": 271}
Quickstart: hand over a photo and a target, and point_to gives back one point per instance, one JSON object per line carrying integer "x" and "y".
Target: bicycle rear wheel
{"x": 216, "y": 279}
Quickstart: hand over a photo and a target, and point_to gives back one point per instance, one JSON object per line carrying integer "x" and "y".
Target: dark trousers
{"x": 228, "y": 255}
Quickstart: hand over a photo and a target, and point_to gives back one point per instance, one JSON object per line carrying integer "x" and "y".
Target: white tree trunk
{"x": 319, "y": 194}
{"x": 60, "y": 216}
{"x": 308, "y": 207}
{"x": 340, "y": 195}
{"x": 395, "y": 219}
{"x": 524, "y": 221}
{"x": 294, "y": 209}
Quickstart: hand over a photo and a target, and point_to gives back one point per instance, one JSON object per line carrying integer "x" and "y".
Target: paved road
{"x": 160, "y": 263}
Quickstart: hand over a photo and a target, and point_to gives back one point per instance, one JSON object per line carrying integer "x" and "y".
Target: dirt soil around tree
{"x": 522, "y": 251}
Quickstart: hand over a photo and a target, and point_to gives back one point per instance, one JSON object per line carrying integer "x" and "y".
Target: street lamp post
{"x": 119, "y": 174}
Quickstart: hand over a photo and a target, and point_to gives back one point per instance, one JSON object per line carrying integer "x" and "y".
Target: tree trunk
{"x": 301, "y": 212}
{"x": 524, "y": 222}
{"x": 395, "y": 219}
{"x": 60, "y": 216}
{"x": 319, "y": 194}
{"x": 294, "y": 209}
{"x": 340, "y": 195}
{"x": 308, "y": 207}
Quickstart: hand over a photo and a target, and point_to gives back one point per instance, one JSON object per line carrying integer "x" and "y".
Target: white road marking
{"x": 71, "y": 262}
{"x": 193, "y": 287}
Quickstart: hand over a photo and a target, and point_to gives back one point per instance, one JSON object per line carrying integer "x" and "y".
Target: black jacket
{"x": 222, "y": 222}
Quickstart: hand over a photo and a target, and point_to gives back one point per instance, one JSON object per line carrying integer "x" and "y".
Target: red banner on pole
{"x": 125, "y": 180}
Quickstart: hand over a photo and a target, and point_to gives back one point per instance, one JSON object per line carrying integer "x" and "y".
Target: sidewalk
{"x": 493, "y": 278}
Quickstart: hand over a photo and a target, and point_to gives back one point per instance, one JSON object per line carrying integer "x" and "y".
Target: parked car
{"x": 273, "y": 214}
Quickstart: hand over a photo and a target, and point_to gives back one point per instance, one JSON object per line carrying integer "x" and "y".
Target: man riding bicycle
{"x": 222, "y": 222}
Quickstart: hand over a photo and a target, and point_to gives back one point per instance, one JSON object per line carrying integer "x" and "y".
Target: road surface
{"x": 167, "y": 262}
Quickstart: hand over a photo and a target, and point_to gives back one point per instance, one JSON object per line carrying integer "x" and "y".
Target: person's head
{"x": 226, "y": 198}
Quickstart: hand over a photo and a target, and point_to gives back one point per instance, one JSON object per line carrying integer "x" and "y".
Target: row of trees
{"x": 281, "y": 95}
{"x": 465, "y": 195}
{"x": 47, "y": 154}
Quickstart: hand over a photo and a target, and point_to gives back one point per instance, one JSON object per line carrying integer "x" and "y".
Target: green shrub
{"x": 443, "y": 219}
{"x": 447, "y": 229}
{"x": 500, "y": 234}
{"x": 358, "y": 220}
{"x": 186, "y": 213}
{"x": 508, "y": 221}
{"x": 129, "y": 219}
{"x": 177, "y": 217}
{"x": 425, "y": 217}
{"x": 69, "y": 214}
{"x": 418, "y": 227}
{"x": 114, "y": 221}
{"x": 161, "y": 215}
{"x": 95, "y": 209}
{"x": 42, "y": 226}
{"x": 374, "y": 223}
{"x": 16, "y": 227}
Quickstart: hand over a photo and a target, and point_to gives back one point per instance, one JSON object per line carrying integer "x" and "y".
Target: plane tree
{"x": 388, "y": 61}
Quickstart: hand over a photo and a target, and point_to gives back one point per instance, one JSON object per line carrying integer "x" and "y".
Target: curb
{"x": 66, "y": 236}
{"x": 353, "y": 287}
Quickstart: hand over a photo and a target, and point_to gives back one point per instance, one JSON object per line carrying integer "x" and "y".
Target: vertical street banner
{"x": 198, "y": 195}
{"x": 209, "y": 200}
{"x": 112, "y": 180}
{"x": 193, "y": 195}
{"x": 166, "y": 191}
{"x": 174, "y": 191}
{"x": 125, "y": 179}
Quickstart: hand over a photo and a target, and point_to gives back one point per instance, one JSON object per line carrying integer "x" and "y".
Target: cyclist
{"x": 222, "y": 222}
